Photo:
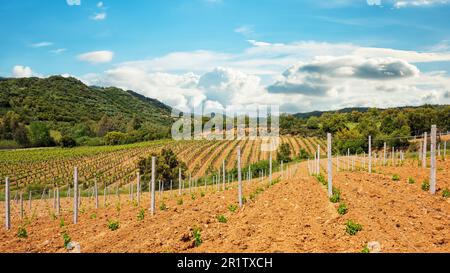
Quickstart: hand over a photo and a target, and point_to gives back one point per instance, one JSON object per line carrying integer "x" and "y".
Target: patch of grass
{"x": 395, "y": 177}
{"x": 411, "y": 180}
{"x": 22, "y": 233}
{"x": 446, "y": 193}
{"x": 342, "y": 209}
{"x": 425, "y": 185}
{"x": 61, "y": 223}
{"x": 196, "y": 233}
{"x": 222, "y": 218}
{"x": 66, "y": 238}
{"x": 163, "y": 206}
{"x": 141, "y": 214}
{"x": 352, "y": 227}
{"x": 336, "y": 197}
{"x": 321, "y": 179}
{"x": 93, "y": 216}
{"x": 365, "y": 250}
{"x": 180, "y": 201}
{"x": 113, "y": 225}
{"x": 233, "y": 207}
{"x": 193, "y": 196}
{"x": 202, "y": 194}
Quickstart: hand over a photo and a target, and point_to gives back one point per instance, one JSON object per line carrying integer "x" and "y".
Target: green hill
{"x": 66, "y": 105}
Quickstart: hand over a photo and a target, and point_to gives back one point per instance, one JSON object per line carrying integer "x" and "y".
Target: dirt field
{"x": 294, "y": 215}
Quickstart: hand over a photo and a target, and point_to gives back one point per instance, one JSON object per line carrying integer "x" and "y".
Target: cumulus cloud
{"x": 318, "y": 78}
{"x": 20, "y": 71}
{"x": 374, "y": 2}
{"x": 97, "y": 57}
{"x": 73, "y": 2}
{"x": 419, "y": 3}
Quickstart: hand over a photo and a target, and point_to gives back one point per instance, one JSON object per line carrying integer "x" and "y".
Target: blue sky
{"x": 232, "y": 51}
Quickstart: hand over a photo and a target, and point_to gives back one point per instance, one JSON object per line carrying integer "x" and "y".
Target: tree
{"x": 105, "y": 126}
{"x": 40, "y": 135}
{"x": 284, "y": 153}
{"x": 167, "y": 167}
{"x": 313, "y": 123}
{"x": 68, "y": 142}
{"x": 115, "y": 138}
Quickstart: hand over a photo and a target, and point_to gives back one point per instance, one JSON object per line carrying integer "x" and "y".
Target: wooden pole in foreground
{"x": 433, "y": 160}
{"x": 424, "y": 155}
{"x": 7, "y": 205}
{"x": 240, "y": 175}
{"x": 270, "y": 166}
{"x": 138, "y": 190}
{"x": 370, "y": 154}
{"x": 21, "y": 205}
{"x": 58, "y": 202}
{"x": 223, "y": 174}
{"x": 75, "y": 195}
{"x": 152, "y": 201}
{"x": 179, "y": 181}
{"x": 96, "y": 193}
{"x": 384, "y": 153}
{"x": 330, "y": 166}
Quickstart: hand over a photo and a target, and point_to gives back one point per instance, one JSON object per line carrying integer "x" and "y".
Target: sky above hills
{"x": 302, "y": 55}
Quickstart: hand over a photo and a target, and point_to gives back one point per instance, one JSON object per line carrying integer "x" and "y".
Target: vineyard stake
{"x": 58, "y": 202}
{"x": 152, "y": 201}
{"x": 240, "y": 175}
{"x": 445, "y": 149}
{"x": 223, "y": 174}
{"x": 96, "y": 193}
{"x": 21, "y": 206}
{"x": 75, "y": 195}
{"x": 384, "y": 154}
{"x": 7, "y": 205}
{"x": 330, "y": 166}
{"x": 318, "y": 159}
{"x": 433, "y": 160}
{"x": 179, "y": 181}
{"x": 424, "y": 155}
{"x": 105, "y": 192}
{"x": 370, "y": 154}
{"x": 270, "y": 166}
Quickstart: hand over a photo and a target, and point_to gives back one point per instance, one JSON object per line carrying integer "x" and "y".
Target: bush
{"x": 113, "y": 225}
{"x": 395, "y": 177}
{"x": 162, "y": 206}
{"x": 22, "y": 233}
{"x": 233, "y": 207}
{"x": 425, "y": 185}
{"x": 411, "y": 180}
{"x": 68, "y": 142}
{"x": 66, "y": 238}
{"x": 342, "y": 209}
{"x": 446, "y": 193}
{"x": 141, "y": 215}
{"x": 336, "y": 197}
{"x": 222, "y": 218}
{"x": 115, "y": 138}
{"x": 196, "y": 233}
{"x": 352, "y": 228}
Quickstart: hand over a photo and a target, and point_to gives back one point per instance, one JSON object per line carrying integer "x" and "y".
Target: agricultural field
{"x": 288, "y": 212}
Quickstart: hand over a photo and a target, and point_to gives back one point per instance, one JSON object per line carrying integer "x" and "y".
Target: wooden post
{"x": 330, "y": 166}
{"x": 348, "y": 159}
{"x": 223, "y": 174}
{"x": 424, "y": 155}
{"x": 58, "y": 202}
{"x": 138, "y": 190}
{"x": 281, "y": 169}
{"x": 7, "y": 205}
{"x": 96, "y": 193}
{"x": 75, "y": 195}
{"x": 21, "y": 205}
{"x": 270, "y": 166}
{"x": 152, "y": 197}
{"x": 384, "y": 154}
{"x": 105, "y": 193}
{"x": 240, "y": 175}
{"x": 445, "y": 149}
{"x": 318, "y": 159}
{"x": 370, "y": 154}
{"x": 433, "y": 160}
{"x": 420, "y": 151}
{"x": 179, "y": 181}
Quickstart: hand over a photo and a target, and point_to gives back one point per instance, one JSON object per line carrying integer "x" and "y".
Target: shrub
{"x": 113, "y": 225}
{"x": 365, "y": 249}
{"x": 68, "y": 142}
{"x": 446, "y": 193}
{"x": 321, "y": 179}
{"x": 336, "y": 197}
{"x": 352, "y": 228}
{"x": 141, "y": 215}
{"x": 233, "y": 207}
{"x": 342, "y": 209}
{"x": 66, "y": 238}
{"x": 222, "y": 218}
{"x": 196, "y": 233}
{"x": 193, "y": 196}
{"x": 93, "y": 216}
{"x": 162, "y": 206}
{"x": 425, "y": 185}
{"x": 22, "y": 232}
{"x": 411, "y": 180}
{"x": 395, "y": 177}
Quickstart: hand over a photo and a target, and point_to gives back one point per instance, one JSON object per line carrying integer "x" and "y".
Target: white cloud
{"x": 100, "y": 5}
{"x": 245, "y": 30}
{"x": 419, "y": 3}
{"x": 97, "y": 57}
{"x": 59, "y": 50}
{"x": 41, "y": 44}
{"x": 73, "y": 2}
{"x": 374, "y": 2}
{"x": 20, "y": 71}
{"x": 331, "y": 76}
{"x": 99, "y": 16}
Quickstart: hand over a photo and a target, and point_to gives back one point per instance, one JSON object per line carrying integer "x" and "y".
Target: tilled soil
{"x": 294, "y": 215}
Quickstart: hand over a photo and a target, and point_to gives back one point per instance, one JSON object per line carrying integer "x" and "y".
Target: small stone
{"x": 74, "y": 247}
{"x": 374, "y": 247}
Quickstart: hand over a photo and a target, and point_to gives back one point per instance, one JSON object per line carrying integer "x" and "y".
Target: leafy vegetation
{"x": 222, "y": 219}
{"x": 22, "y": 232}
{"x": 342, "y": 209}
{"x": 425, "y": 185}
{"x": 196, "y": 233}
{"x": 446, "y": 193}
{"x": 113, "y": 225}
{"x": 395, "y": 177}
{"x": 352, "y": 228}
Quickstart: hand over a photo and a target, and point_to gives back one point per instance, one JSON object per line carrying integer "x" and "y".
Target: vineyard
{"x": 379, "y": 200}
